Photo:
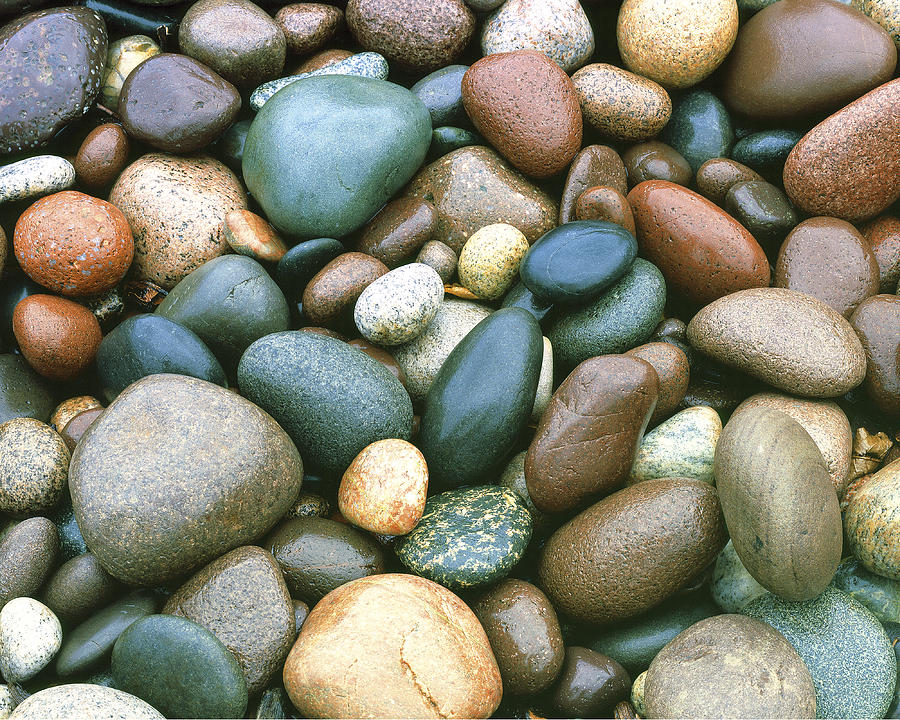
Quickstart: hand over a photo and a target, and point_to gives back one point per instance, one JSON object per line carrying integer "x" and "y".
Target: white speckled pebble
{"x": 6, "y": 702}
{"x": 30, "y": 636}
{"x": 732, "y": 585}
{"x": 35, "y": 176}
{"x": 682, "y": 446}
{"x": 398, "y": 306}
{"x": 79, "y": 701}
{"x": 557, "y": 28}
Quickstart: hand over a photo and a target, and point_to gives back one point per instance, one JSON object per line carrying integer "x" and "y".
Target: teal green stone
{"x": 332, "y": 399}
{"x": 847, "y": 651}
{"x": 71, "y": 543}
{"x": 893, "y": 631}
{"x": 700, "y": 128}
{"x": 441, "y": 93}
{"x": 23, "y": 393}
{"x": 481, "y": 399}
{"x": 468, "y": 537}
{"x": 880, "y": 594}
{"x": 521, "y": 296}
{"x": 766, "y": 151}
{"x": 446, "y": 139}
{"x": 230, "y": 147}
{"x": 180, "y": 668}
{"x": 325, "y": 153}
{"x": 623, "y": 317}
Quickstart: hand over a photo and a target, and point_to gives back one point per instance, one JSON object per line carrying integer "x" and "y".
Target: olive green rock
{"x": 22, "y": 392}
{"x": 324, "y": 154}
{"x": 180, "y": 668}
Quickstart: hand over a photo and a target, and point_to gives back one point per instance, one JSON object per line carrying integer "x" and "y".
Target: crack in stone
{"x": 423, "y": 691}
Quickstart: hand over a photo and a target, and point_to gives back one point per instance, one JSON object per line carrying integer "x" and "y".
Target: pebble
{"x": 248, "y": 234}
{"x": 766, "y": 151}
{"x": 308, "y": 27}
{"x": 77, "y": 426}
{"x": 35, "y": 464}
{"x": 732, "y": 586}
{"x": 79, "y": 587}
{"x": 323, "y": 59}
{"x": 23, "y": 393}
{"x": 102, "y": 156}
{"x": 673, "y": 371}
{"x": 885, "y": 13}
{"x": 605, "y": 203}
{"x": 883, "y": 233}
{"x": 7, "y": 703}
{"x": 557, "y": 28}
{"x": 490, "y": 260}
{"x": 872, "y": 520}
{"x": 654, "y": 160}
{"x": 85, "y": 700}
{"x": 68, "y": 409}
{"x": 398, "y": 231}
{"x": 717, "y": 176}
{"x": 30, "y": 635}
{"x": 763, "y": 209}
{"x": 28, "y": 553}
{"x": 682, "y": 446}
{"x": 398, "y": 306}
{"x": 301, "y": 263}
{"x": 441, "y": 93}
{"x": 699, "y": 129}
{"x": 589, "y": 685}
{"x": 440, "y": 257}
{"x": 124, "y": 56}
{"x": 527, "y": 108}
{"x": 333, "y": 291}
{"x": 880, "y": 595}
{"x": 876, "y": 321}
{"x": 593, "y": 166}
{"x": 35, "y": 176}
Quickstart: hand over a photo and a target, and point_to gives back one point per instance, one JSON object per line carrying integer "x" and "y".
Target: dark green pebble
{"x": 763, "y": 209}
{"x": 520, "y": 296}
{"x": 441, "y": 93}
{"x": 23, "y": 393}
{"x": 700, "y": 128}
{"x": 447, "y": 138}
{"x": 766, "y": 151}
{"x": 230, "y": 147}
{"x": 299, "y": 264}
{"x": 71, "y": 543}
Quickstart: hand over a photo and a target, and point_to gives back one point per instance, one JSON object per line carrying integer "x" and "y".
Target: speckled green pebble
{"x": 468, "y": 538}
{"x": 682, "y": 446}
{"x": 879, "y": 594}
{"x": 700, "y": 128}
{"x": 732, "y": 585}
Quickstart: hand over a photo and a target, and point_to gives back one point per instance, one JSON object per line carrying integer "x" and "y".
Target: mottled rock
{"x": 490, "y": 260}
{"x": 124, "y": 56}
{"x": 35, "y": 176}
{"x": 30, "y": 635}
{"x": 872, "y": 522}
{"x": 308, "y": 27}
{"x": 398, "y": 306}
{"x": 34, "y": 464}
{"x": 28, "y": 553}
{"x": 78, "y": 587}
{"x": 682, "y": 446}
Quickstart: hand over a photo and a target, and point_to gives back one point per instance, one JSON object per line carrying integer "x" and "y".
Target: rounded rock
{"x": 884, "y": 235}
{"x": 885, "y": 12}
{"x": 30, "y": 635}
{"x": 673, "y": 370}
{"x": 78, "y": 587}
{"x": 490, "y": 260}
{"x": 34, "y": 465}
{"x": 124, "y": 56}
{"x": 84, "y": 700}
{"x": 102, "y": 155}
{"x": 763, "y": 209}
{"x": 605, "y": 203}
{"x": 398, "y": 230}
{"x": 654, "y": 160}
{"x": 682, "y": 446}
{"x": 731, "y": 585}
{"x": 717, "y": 176}
{"x": 595, "y": 165}
{"x": 308, "y": 27}
{"x": 872, "y": 522}
{"x": 28, "y": 553}
{"x": 249, "y": 234}
{"x": 589, "y": 685}
{"x": 876, "y": 321}
{"x": 332, "y": 291}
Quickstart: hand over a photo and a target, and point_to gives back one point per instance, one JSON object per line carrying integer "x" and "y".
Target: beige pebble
{"x": 490, "y": 260}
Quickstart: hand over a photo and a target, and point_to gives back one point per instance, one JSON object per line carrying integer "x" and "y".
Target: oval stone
{"x": 30, "y": 635}
{"x": 28, "y": 553}
{"x": 85, "y": 699}
{"x": 78, "y": 587}
{"x": 654, "y": 160}
{"x": 399, "y": 229}
{"x": 331, "y": 294}
{"x": 763, "y": 209}
{"x": 682, "y": 446}
{"x": 102, "y": 155}
{"x": 700, "y": 128}
{"x": 877, "y": 322}
{"x": 872, "y": 522}
{"x": 884, "y": 234}
{"x": 590, "y": 684}
{"x": 594, "y": 165}
{"x": 301, "y": 263}
{"x": 716, "y": 177}
{"x": 673, "y": 369}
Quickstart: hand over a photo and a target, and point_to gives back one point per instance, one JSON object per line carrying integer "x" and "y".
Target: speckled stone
{"x": 85, "y": 702}
{"x": 28, "y": 553}
{"x": 322, "y": 59}
{"x": 883, "y": 233}
{"x": 594, "y": 165}
{"x": 848, "y": 166}
{"x": 439, "y": 256}
{"x": 717, "y": 176}
{"x": 176, "y": 207}
{"x": 621, "y": 104}
{"x": 397, "y": 307}
{"x": 605, "y": 203}
{"x": 79, "y": 587}
{"x": 248, "y": 234}
{"x": 242, "y": 599}
{"x": 124, "y": 56}
{"x": 7, "y": 703}
{"x": 677, "y": 43}
{"x": 872, "y": 522}
{"x": 308, "y": 27}
{"x": 885, "y": 12}
{"x": 682, "y": 446}
{"x": 473, "y": 187}
{"x": 490, "y": 259}
{"x": 200, "y": 509}
{"x": 672, "y": 369}
{"x": 876, "y": 321}
{"x": 35, "y": 176}
{"x": 557, "y": 28}
{"x": 399, "y": 229}
{"x": 847, "y": 651}
{"x": 880, "y": 595}
{"x": 654, "y": 160}
{"x": 101, "y": 156}
{"x": 34, "y": 463}
{"x": 333, "y": 291}
{"x": 30, "y": 635}
{"x": 786, "y": 338}
{"x": 732, "y": 586}
{"x": 468, "y": 538}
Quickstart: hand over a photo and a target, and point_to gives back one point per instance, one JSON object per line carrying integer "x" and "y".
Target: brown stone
{"x": 526, "y": 106}
{"x": 249, "y": 234}
{"x": 59, "y": 338}
{"x": 633, "y": 549}
{"x": 34, "y": 463}
{"x": 589, "y": 685}
{"x": 73, "y": 244}
{"x": 333, "y": 291}
{"x": 883, "y": 233}
{"x": 440, "y": 257}
{"x": 605, "y": 203}
{"x": 595, "y": 165}
{"x": 321, "y": 60}
{"x": 397, "y": 232}
{"x": 802, "y": 57}
{"x": 309, "y": 26}
{"x": 416, "y": 35}
{"x": 716, "y": 176}
{"x": 397, "y": 632}
{"x": 324, "y": 331}
{"x": 177, "y": 104}
{"x": 382, "y": 356}
{"x": 79, "y": 587}
{"x": 241, "y": 598}
{"x": 101, "y": 156}
{"x": 28, "y": 553}
{"x": 848, "y": 166}
{"x": 702, "y": 251}
{"x": 828, "y": 259}
{"x": 587, "y": 438}
{"x": 871, "y": 521}
{"x": 654, "y": 160}
{"x": 524, "y": 633}
{"x": 71, "y": 407}
{"x": 78, "y": 425}
{"x": 673, "y": 371}
{"x": 877, "y": 322}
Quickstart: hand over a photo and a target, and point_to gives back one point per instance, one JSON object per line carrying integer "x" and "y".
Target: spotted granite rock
{"x": 35, "y": 176}
{"x": 30, "y": 636}
{"x": 682, "y": 446}
{"x": 34, "y": 466}
{"x": 7, "y": 704}
{"x": 84, "y": 702}
{"x": 490, "y": 259}
{"x": 872, "y": 522}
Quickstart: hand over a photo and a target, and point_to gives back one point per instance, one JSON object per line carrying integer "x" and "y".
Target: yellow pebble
{"x": 489, "y": 261}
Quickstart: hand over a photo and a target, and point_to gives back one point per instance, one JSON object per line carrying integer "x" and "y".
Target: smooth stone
{"x": 348, "y": 649}
{"x": 526, "y": 106}
{"x": 84, "y": 700}
{"x": 670, "y": 528}
{"x": 847, "y": 651}
{"x": 324, "y": 59}
{"x": 673, "y": 371}
{"x": 872, "y": 522}
{"x": 34, "y": 177}
{"x": 755, "y": 331}
{"x": 605, "y": 203}
{"x": 331, "y": 294}
{"x": 102, "y": 156}
{"x": 229, "y": 302}
{"x": 28, "y": 553}
{"x": 805, "y": 57}
{"x": 524, "y": 633}
{"x": 732, "y": 586}
{"x": 593, "y": 165}
{"x": 788, "y": 534}
{"x": 473, "y": 187}
{"x": 47, "y": 89}
{"x": 766, "y": 151}
{"x": 620, "y": 319}
{"x": 876, "y": 321}
{"x": 682, "y": 446}
{"x": 34, "y": 464}
{"x": 885, "y": 12}
{"x": 330, "y": 398}
{"x": 577, "y": 261}
{"x": 883, "y": 233}
{"x": 88, "y": 645}
{"x": 30, "y": 635}
{"x": 763, "y": 209}
{"x": 68, "y": 409}
{"x": 521, "y": 296}
{"x": 439, "y": 256}
{"x": 301, "y": 263}
{"x": 327, "y": 183}
{"x": 441, "y": 93}
{"x": 717, "y": 176}
{"x": 249, "y": 234}
{"x": 71, "y": 543}
{"x": 654, "y": 160}
{"x": 587, "y": 437}
{"x": 192, "y": 511}
{"x": 848, "y": 166}
{"x": 397, "y": 232}
{"x": 513, "y": 477}
{"x": 729, "y": 666}
{"x": 490, "y": 260}
{"x": 175, "y": 207}
{"x": 700, "y": 128}
{"x": 229, "y": 147}
{"x": 179, "y": 667}
{"x": 880, "y": 595}
{"x": 481, "y": 398}
{"x": 589, "y": 685}
{"x": 446, "y": 139}
{"x": 676, "y": 43}
{"x": 242, "y": 599}
{"x": 308, "y": 27}
{"x": 381, "y": 355}
{"x": 23, "y": 393}
{"x": 79, "y": 587}
{"x": 544, "y": 391}
{"x": 124, "y": 55}
{"x": 77, "y": 426}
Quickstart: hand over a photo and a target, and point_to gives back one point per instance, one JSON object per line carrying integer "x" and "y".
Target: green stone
{"x": 71, "y": 542}
{"x": 880, "y": 594}
{"x": 441, "y": 93}
{"x": 700, "y": 128}
{"x": 22, "y": 392}
{"x": 623, "y": 317}
{"x": 468, "y": 537}
{"x": 763, "y": 209}
{"x": 766, "y": 151}
{"x": 325, "y": 153}
{"x": 180, "y": 668}
{"x": 446, "y": 139}
{"x": 893, "y": 631}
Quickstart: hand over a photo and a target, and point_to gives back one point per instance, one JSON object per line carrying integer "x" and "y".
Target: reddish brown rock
{"x": 589, "y": 685}
{"x": 336, "y": 287}
{"x": 848, "y": 166}
{"x": 883, "y": 233}
{"x": 673, "y": 371}
{"x": 58, "y": 337}
{"x": 828, "y": 259}
{"x": 73, "y": 244}
{"x": 526, "y": 106}
{"x": 397, "y": 232}
{"x": 322, "y": 59}
{"x": 587, "y": 438}
{"x": 71, "y": 407}
{"x": 78, "y": 425}
{"x": 716, "y": 177}
{"x": 101, "y": 156}
{"x": 379, "y": 354}
{"x": 801, "y": 57}
{"x": 655, "y": 160}
{"x": 877, "y": 322}
{"x": 595, "y": 165}
{"x": 605, "y": 203}
{"x": 308, "y": 27}
{"x": 702, "y": 251}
